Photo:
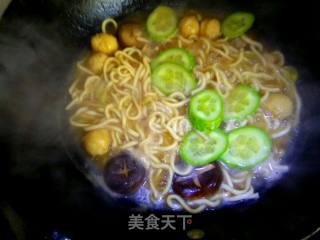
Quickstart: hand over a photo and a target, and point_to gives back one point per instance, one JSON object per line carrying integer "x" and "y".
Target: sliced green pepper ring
{"x": 202, "y": 148}
{"x": 206, "y": 110}
{"x": 242, "y": 101}
{"x": 237, "y": 24}
{"x": 170, "y": 77}
{"x": 179, "y": 56}
{"x": 162, "y": 23}
{"x": 248, "y": 146}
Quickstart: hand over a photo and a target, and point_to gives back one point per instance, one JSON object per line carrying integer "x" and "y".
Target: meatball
{"x": 210, "y": 28}
{"x": 97, "y": 142}
{"x": 104, "y": 43}
{"x": 128, "y": 35}
{"x": 279, "y": 105}
{"x": 189, "y": 26}
{"x": 96, "y": 61}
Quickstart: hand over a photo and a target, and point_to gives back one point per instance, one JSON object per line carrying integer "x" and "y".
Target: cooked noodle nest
{"x": 122, "y": 100}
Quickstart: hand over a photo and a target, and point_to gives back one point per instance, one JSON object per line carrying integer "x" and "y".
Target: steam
{"x": 35, "y": 69}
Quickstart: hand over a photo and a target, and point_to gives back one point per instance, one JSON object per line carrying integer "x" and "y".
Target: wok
{"x": 43, "y": 188}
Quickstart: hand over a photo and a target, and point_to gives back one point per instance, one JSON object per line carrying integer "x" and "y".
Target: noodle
{"x": 106, "y": 22}
{"x": 140, "y": 117}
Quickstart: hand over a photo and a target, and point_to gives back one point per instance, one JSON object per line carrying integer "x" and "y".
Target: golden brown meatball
{"x": 97, "y": 142}
{"x": 105, "y": 43}
{"x": 189, "y": 26}
{"x": 279, "y": 105}
{"x": 210, "y": 28}
{"x": 128, "y": 35}
{"x": 96, "y": 61}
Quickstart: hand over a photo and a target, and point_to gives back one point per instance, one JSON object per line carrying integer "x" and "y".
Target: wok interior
{"x": 296, "y": 183}
{"x": 113, "y": 103}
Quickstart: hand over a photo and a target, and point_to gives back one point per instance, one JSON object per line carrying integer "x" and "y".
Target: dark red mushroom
{"x": 123, "y": 173}
{"x": 201, "y": 182}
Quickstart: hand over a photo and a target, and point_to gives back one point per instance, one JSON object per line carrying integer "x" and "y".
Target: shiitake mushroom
{"x": 124, "y": 173}
{"x": 201, "y": 182}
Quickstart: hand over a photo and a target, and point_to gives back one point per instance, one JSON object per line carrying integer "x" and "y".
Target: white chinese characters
{"x": 164, "y": 222}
